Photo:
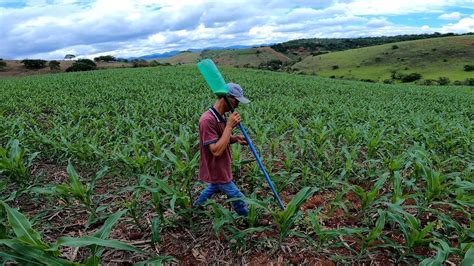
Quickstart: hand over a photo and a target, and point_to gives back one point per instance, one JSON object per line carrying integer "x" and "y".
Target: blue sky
{"x": 50, "y": 29}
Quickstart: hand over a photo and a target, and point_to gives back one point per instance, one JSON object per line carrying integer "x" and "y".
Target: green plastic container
{"x": 213, "y": 77}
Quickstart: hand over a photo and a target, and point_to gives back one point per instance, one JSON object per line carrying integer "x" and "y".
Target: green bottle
{"x": 213, "y": 77}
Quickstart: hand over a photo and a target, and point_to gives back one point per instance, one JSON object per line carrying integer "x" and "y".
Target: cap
{"x": 237, "y": 91}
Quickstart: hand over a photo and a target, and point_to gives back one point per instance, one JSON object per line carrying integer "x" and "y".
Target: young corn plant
{"x": 434, "y": 184}
{"x": 166, "y": 196}
{"x": 24, "y": 245}
{"x": 368, "y": 198}
{"x": 415, "y": 235}
{"x": 222, "y": 219}
{"x": 375, "y": 232}
{"x": 79, "y": 191}
{"x": 287, "y": 218}
{"x": 443, "y": 251}
{"x": 14, "y": 164}
{"x": 329, "y": 237}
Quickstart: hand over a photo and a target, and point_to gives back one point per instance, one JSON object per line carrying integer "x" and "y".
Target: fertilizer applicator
{"x": 218, "y": 86}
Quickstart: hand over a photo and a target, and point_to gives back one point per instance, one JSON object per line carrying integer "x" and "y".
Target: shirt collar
{"x": 217, "y": 115}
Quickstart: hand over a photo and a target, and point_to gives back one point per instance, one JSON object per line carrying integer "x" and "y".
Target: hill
{"x": 300, "y": 48}
{"x": 250, "y": 57}
{"x": 432, "y": 58}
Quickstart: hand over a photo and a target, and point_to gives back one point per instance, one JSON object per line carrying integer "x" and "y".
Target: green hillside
{"x": 251, "y": 57}
{"x": 432, "y": 58}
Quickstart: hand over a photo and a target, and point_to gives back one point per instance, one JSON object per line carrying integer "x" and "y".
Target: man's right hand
{"x": 233, "y": 120}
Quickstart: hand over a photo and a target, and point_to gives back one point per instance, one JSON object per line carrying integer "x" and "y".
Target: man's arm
{"x": 221, "y": 145}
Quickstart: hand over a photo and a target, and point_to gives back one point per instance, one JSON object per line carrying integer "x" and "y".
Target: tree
{"x": 469, "y": 68}
{"x": 3, "y": 64}
{"x": 69, "y": 56}
{"x": 105, "y": 58}
{"x": 411, "y": 77}
{"x": 82, "y": 65}
{"x": 34, "y": 63}
{"x": 444, "y": 81}
{"x": 54, "y": 65}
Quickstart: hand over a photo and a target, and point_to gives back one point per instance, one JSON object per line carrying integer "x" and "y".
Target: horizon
{"x": 125, "y": 29}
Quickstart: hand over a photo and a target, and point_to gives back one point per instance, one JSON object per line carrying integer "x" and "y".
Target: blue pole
{"x": 261, "y": 165}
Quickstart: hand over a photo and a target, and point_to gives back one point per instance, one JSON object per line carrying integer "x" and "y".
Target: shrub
{"x": 105, "y": 58}
{"x": 378, "y": 59}
{"x": 427, "y": 82}
{"x": 445, "y": 60}
{"x": 82, "y": 65}
{"x": 274, "y": 64}
{"x": 458, "y": 83}
{"x": 394, "y": 46}
{"x": 469, "y": 68}
{"x": 469, "y": 82}
{"x": 34, "y": 63}
{"x": 396, "y": 75}
{"x": 411, "y": 77}
{"x": 335, "y": 67}
{"x": 443, "y": 81}
{"x": 54, "y": 65}
{"x": 388, "y": 81}
{"x": 141, "y": 63}
{"x": 3, "y": 64}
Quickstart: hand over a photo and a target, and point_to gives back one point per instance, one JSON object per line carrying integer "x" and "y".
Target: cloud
{"x": 450, "y": 16}
{"x": 49, "y": 29}
{"x": 463, "y": 25}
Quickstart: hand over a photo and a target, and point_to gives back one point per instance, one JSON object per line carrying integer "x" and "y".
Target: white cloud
{"x": 137, "y": 27}
{"x": 463, "y": 25}
{"x": 450, "y": 16}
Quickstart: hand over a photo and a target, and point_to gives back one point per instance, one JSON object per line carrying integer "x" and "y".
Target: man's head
{"x": 237, "y": 92}
{"x": 235, "y": 96}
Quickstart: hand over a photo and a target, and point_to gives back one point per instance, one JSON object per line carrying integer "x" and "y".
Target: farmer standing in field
{"x": 215, "y": 137}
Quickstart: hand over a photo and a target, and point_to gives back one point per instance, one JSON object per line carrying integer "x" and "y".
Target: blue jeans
{"x": 230, "y": 190}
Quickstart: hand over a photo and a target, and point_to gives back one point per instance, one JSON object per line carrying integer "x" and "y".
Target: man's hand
{"x": 241, "y": 140}
{"x": 233, "y": 120}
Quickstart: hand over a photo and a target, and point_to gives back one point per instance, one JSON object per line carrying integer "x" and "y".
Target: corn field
{"x": 101, "y": 167}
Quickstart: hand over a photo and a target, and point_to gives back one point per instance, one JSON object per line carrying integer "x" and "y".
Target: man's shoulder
{"x": 206, "y": 117}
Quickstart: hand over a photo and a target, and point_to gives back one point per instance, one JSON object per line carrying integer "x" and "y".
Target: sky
{"x": 50, "y": 29}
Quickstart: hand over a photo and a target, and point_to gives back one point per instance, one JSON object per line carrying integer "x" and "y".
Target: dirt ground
{"x": 15, "y": 68}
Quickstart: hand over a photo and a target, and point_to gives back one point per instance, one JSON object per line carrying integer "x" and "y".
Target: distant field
{"x": 432, "y": 58}
{"x": 16, "y": 68}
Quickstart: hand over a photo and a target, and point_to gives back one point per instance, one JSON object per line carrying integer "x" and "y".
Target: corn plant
{"x": 367, "y": 198}
{"x": 443, "y": 250}
{"x": 14, "y": 163}
{"x": 468, "y": 257}
{"x": 375, "y": 232}
{"x": 415, "y": 235}
{"x": 166, "y": 196}
{"x": 434, "y": 184}
{"x": 287, "y": 218}
{"x": 27, "y": 246}
{"x": 329, "y": 237}
{"x": 79, "y": 191}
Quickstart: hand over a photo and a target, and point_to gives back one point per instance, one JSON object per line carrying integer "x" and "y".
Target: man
{"x": 215, "y": 137}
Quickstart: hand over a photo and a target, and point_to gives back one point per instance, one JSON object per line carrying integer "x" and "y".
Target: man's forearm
{"x": 222, "y": 143}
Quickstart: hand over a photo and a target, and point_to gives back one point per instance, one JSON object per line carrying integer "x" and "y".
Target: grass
{"x": 252, "y": 57}
{"x": 433, "y": 58}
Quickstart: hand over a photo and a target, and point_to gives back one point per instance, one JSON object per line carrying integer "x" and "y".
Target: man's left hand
{"x": 241, "y": 140}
